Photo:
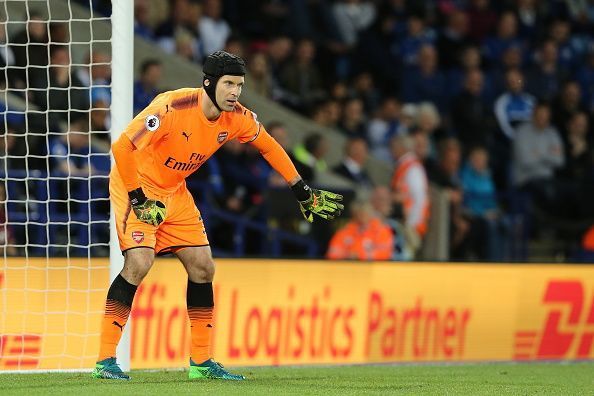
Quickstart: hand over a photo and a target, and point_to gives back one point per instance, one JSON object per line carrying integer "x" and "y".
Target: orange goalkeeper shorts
{"x": 183, "y": 225}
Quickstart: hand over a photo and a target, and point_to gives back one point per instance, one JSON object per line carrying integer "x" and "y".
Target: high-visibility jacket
{"x": 372, "y": 241}
{"x": 410, "y": 180}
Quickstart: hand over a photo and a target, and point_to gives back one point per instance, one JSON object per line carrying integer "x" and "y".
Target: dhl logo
{"x": 19, "y": 351}
{"x": 568, "y": 330}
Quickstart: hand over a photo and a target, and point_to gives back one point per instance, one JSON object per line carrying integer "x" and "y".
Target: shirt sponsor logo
{"x": 193, "y": 163}
{"x": 138, "y": 236}
{"x": 222, "y": 136}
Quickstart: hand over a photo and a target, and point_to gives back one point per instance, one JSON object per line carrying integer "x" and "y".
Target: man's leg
{"x": 200, "y": 267}
{"x": 137, "y": 264}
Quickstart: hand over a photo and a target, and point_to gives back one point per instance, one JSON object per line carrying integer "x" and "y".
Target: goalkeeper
{"x": 156, "y": 214}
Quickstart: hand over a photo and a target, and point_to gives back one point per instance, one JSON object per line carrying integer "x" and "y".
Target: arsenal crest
{"x": 222, "y": 136}
{"x": 138, "y": 236}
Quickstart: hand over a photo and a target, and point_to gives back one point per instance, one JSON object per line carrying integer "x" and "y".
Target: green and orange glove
{"x": 148, "y": 211}
{"x": 322, "y": 203}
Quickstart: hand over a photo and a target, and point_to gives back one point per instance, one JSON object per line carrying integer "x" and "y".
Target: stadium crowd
{"x": 491, "y": 101}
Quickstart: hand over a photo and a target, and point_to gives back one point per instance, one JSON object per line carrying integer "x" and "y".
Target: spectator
{"x": 480, "y": 202}
{"x": 260, "y": 78}
{"x": 142, "y": 26}
{"x": 568, "y": 49}
{"x": 378, "y": 53}
{"x": 446, "y": 175}
{"x": 381, "y": 201}
{"x": 364, "y": 89}
{"x": 531, "y": 18}
{"x": 234, "y": 45}
{"x": 62, "y": 92}
{"x": 410, "y": 187}
{"x": 507, "y": 30}
{"x": 567, "y": 103}
{"x": 469, "y": 59}
{"x": 279, "y": 52}
{"x": 353, "y": 163}
{"x": 586, "y": 81}
{"x": 425, "y": 82}
{"x": 363, "y": 238}
{"x": 383, "y": 127}
{"x": 471, "y": 117}
{"x": 243, "y": 176}
{"x": 352, "y": 17}
{"x": 97, "y": 76}
{"x": 31, "y": 58}
{"x": 428, "y": 121}
{"x": 7, "y": 142}
{"x": 176, "y": 27}
{"x": 422, "y": 148}
{"x": 327, "y": 113}
{"x": 214, "y": 30}
{"x": 452, "y": 39}
{"x": 544, "y": 77}
{"x": 537, "y": 154}
{"x": 417, "y": 37}
{"x": 311, "y": 153}
{"x": 70, "y": 152}
{"x": 145, "y": 88}
{"x": 514, "y": 106}
{"x": 481, "y": 19}
{"x": 512, "y": 59}
{"x": 301, "y": 78}
{"x": 352, "y": 123}
{"x": 7, "y": 59}
{"x": 579, "y": 164}
{"x": 58, "y": 33}
{"x": 7, "y": 242}
{"x": 575, "y": 177}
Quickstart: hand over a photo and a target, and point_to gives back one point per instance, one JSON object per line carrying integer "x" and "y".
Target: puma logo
{"x": 119, "y": 325}
{"x": 184, "y": 134}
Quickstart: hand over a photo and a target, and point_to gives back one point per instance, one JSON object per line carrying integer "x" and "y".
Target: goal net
{"x": 54, "y": 164}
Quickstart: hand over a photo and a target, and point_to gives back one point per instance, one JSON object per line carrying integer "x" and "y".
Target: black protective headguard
{"x": 215, "y": 66}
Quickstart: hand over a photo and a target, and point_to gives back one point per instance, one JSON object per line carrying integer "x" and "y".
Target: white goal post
{"x": 122, "y": 44}
{"x": 59, "y": 110}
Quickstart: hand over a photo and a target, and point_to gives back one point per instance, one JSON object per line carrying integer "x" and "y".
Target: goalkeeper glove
{"x": 325, "y": 204}
{"x": 148, "y": 211}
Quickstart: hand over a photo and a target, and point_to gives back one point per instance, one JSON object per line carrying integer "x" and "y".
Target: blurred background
{"x": 457, "y": 130}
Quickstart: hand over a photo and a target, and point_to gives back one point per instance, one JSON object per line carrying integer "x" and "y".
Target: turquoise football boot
{"x": 211, "y": 370}
{"x": 109, "y": 369}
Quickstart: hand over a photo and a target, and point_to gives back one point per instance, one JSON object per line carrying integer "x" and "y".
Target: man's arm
{"x": 146, "y": 210}
{"x": 502, "y": 118}
{"x": 123, "y": 154}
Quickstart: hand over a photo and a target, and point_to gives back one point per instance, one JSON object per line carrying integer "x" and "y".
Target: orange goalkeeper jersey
{"x": 173, "y": 138}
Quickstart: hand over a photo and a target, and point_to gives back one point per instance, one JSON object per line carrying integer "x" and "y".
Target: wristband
{"x": 137, "y": 197}
{"x": 301, "y": 190}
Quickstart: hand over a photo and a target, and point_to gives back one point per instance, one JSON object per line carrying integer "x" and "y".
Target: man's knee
{"x": 137, "y": 264}
{"x": 202, "y": 270}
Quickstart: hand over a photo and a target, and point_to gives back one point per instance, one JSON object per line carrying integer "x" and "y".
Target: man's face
{"x": 153, "y": 75}
{"x": 228, "y": 91}
{"x": 542, "y": 116}
{"x": 514, "y": 82}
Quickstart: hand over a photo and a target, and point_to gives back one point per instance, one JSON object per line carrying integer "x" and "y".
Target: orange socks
{"x": 200, "y": 302}
{"x": 117, "y": 309}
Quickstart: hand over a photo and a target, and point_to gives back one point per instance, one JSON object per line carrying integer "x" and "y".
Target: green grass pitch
{"x": 477, "y": 379}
